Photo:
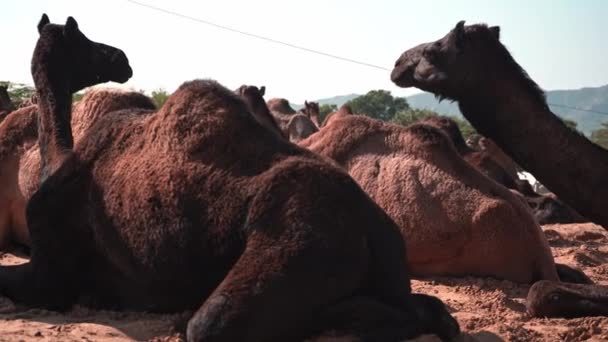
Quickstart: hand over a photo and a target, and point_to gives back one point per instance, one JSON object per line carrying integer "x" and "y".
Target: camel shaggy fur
{"x": 546, "y": 209}
{"x": 457, "y": 221}
{"x": 199, "y": 204}
{"x": 20, "y": 161}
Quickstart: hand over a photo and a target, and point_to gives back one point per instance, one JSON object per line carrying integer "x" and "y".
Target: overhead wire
{"x": 299, "y": 47}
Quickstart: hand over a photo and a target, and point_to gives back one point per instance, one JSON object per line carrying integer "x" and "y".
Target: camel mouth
{"x": 123, "y": 76}
{"x": 402, "y": 77}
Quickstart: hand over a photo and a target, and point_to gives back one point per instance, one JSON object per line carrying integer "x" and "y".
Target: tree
{"x": 600, "y": 136}
{"x": 412, "y": 115}
{"x": 407, "y": 117}
{"x": 379, "y": 104}
{"x": 325, "y": 109}
{"x": 159, "y": 96}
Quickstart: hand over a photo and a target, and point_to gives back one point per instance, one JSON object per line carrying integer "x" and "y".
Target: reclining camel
{"x": 168, "y": 211}
{"x": 547, "y": 209}
{"x": 457, "y": 221}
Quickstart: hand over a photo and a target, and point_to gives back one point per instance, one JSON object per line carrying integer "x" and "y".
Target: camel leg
{"x": 5, "y": 229}
{"x": 568, "y": 274}
{"x": 276, "y": 291}
{"x": 372, "y": 320}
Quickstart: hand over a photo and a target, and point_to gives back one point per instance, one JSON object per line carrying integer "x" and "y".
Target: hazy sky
{"x": 562, "y": 44}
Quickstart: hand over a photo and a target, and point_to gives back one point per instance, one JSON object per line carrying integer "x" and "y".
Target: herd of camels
{"x": 271, "y": 225}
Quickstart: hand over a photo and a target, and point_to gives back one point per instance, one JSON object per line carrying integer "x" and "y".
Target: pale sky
{"x": 562, "y": 44}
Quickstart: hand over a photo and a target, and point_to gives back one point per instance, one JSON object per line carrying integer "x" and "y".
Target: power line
{"x": 276, "y": 41}
{"x": 302, "y": 48}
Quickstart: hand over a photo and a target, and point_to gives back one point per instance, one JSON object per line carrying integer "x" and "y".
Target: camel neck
{"x": 560, "y": 158}
{"x": 54, "y": 125}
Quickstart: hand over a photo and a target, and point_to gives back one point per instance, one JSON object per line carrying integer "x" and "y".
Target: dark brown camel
{"x": 495, "y": 94}
{"x": 546, "y": 209}
{"x": 457, "y": 221}
{"x": 254, "y": 98}
{"x": 198, "y": 203}
{"x": 6, "y": 105}
{"x": 20, "y": 162}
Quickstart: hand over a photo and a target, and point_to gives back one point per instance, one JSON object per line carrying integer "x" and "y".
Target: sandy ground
{"x": 487, "y": 309}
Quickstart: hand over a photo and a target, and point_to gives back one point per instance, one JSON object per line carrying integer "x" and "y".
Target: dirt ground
{"x": 487, "y": 309}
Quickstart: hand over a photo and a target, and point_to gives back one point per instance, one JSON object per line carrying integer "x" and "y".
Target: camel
{"x": 254, "y": 98}
{"x": 471, "y": 66}
{"x": 171, "y": 210}
{"x": 20, "y": 161}
{"x": 457, "y": 222}
{"x": 294, "y": 125}
{"x": 6, "y": 105}
{"x": 547, "y": 209}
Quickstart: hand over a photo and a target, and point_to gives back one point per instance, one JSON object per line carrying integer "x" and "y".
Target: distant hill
{"x": 586, "y": 98}
{"x": 337, "y": 100}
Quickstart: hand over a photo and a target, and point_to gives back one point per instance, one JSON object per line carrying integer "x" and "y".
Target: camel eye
{"x": 554, "y": 297}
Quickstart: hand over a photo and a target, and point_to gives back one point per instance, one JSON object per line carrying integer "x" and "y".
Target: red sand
{"x": 487, "y": 309}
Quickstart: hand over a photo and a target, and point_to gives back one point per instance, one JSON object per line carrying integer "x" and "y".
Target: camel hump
{"x": 18, "y": 127}
{"x": 205, "y": 97}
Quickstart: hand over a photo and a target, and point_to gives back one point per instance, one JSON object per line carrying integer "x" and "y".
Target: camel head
{"x": 253, "y": 96}
{"x": 454, "y": 65}
{"x": 558, "y": 299}
{"x": 311, "y": 108}
{"x": 65, "y": 57}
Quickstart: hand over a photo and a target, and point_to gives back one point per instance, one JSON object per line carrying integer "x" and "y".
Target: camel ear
{"x": 305, "y": 103}
{"x": 70, "y": 28}
{"x": 43, "y": 21}
{"x": 495, "y": 31}
{"x": 459, "y": 33}
{"x": 263, "y": 90}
